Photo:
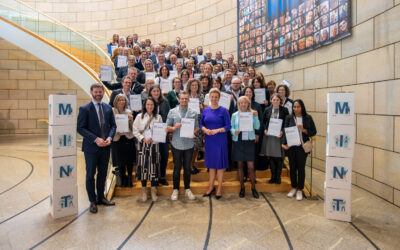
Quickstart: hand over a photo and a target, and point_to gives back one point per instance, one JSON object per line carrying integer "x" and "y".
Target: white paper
{"x": 299, "y": 120}
{"x": 245, "y": 136}
{"x": 150, "y": 75}
{"x": 172, "y": 74}
{"x": 113, "y": 47}
{"x": 274, "y": 127}
{"x": 240, "y": 73}
{"x": 165, "y": 85}
{"x": 187, "y": 129}
{"x": 196, "y": 76}
{"x": 194, "y": 104}
{"x": 136, "y": 102}
{"x": 288, "y": 84}
{"x": 289, "y": 106}
{"x": 245, "y": 121}
{"x": 122, "y": 122}
{"x": 214, "y": 76}
{"x": 225, "y": 100}
{"x": 159, "y": 133}
{"x": 259, "y": 95}
{"x": 106, "y": 73}
{"x": 292, "y": 136}
{"x": 181, "y": 60}
{"x": 122, "y": 61}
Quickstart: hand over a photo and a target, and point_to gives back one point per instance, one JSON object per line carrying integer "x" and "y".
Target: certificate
{"x": 181, "y": 60}
{"x": 122, "y": 61}
{"x": 200, "y": 58}
{"x": 240, "y": 73}
{"x": 299, "y": 120}
{"x": 194, "y": 104}
{"x": 122, "y": 122}
{"x": 245, "y": 121}
{"x": 259, "y": 95}
{"x": 136, "y": 102}
{"x": 113, "y": 47}
{"x": 150, "y": 75}
{"x": 225, "y": 100}
{"x": 292, "y": 136}
{"x": 159, "y": 133}
{"x": 196, "y": 76}
{"x": 106, "y": 73}
{"x": 288, "y": 84}
{"x": 274, "y": 127}
{"x": 187, "y": 129}
{"x": 172, "y": 74}
{"x": 165, "y": 85}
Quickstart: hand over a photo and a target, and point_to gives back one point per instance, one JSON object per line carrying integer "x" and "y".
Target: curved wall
{"x": 210, "y": 23}
{"x": 368, "y": 64}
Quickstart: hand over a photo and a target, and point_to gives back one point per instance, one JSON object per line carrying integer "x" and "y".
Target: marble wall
{"x": 368, "y": 64}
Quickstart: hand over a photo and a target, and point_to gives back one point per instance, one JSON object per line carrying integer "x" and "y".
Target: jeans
{"x": 297, "y": 162}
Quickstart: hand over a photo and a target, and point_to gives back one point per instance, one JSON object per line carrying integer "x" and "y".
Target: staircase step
{"x": 201, "y": 187}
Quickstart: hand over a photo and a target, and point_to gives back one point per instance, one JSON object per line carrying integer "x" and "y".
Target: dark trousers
{"x": 153, "y": 183}
{"x": 276, "y": 168}
{"x": 125, "y": 154}
{"x": 182, "y": 158}
{"x": 96, "y": 161}
{"x": 297, "y": 162}
{"x": 164, "y": 152}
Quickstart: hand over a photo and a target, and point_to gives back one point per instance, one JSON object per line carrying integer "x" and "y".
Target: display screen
{"x": 269, "y": 30}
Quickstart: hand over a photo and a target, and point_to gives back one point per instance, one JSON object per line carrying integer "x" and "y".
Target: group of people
{"x": 213, "y": 95}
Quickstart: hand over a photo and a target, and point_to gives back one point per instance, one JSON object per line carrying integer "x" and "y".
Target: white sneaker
{"x": 174, "y": 195}
{"x": 144, "y": 194}
{"x": 291, "y": 193}
{"x": 190, "y": 195}
{"x": 154, "y": 194}
{"x": 299, "y": 195}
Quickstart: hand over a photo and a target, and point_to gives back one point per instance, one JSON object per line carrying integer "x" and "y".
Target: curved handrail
{"x": 56, "y": 32}
{"x": 90, "y": 71}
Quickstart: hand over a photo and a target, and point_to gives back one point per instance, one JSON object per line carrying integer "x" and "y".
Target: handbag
{"x": 307, "y": 146}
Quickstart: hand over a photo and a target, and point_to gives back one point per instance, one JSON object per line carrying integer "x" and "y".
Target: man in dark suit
{"x": 136, "y": 87}
{"x": 125, "y": 90}
{"x": 96, "y": 124}
{"x": 123, "y": 71}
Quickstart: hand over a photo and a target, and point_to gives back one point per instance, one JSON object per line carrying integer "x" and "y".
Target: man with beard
{"x": 96, "y": 124}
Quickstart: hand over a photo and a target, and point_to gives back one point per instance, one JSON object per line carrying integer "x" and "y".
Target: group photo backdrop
{"x": 269, "y": 30}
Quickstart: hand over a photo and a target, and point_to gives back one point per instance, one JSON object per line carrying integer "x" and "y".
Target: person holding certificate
{"x": 195, "y": 90}
{"x": 273, "y": 119}
{"x": 244, "y": 123}
{"x": 258, "y": 83}
{"x": 173, "y": 95}
{"x": 123, "y": 140}
{"x": 183, "y": 122}
{"x": 284, "y": 93}
{"x": 148, "y": 153}
{"x": 215, "y": 123}
{"x": 162, "y": 109}
{"x": 297, "y": 156}
{"x": 148, "y": 68}
{"x": 163, "y": 80}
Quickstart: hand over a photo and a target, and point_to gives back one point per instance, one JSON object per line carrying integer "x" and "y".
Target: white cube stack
{"x": 340, "y": 142}
{"x": 62, "y": 155}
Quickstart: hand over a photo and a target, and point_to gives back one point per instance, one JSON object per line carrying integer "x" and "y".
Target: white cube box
{"x": 340, "y": 108}
{"x": 63, "y": 171}
{"x": 62, "y": 140}
{"x": 338, "y": 172}
{"x": 62, "y": 109}
{"x": 340, "y": 140}
{"x": 338, "y": 204}
{"x": 64, "y": 201}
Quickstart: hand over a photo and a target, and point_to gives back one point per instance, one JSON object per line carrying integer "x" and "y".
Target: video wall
{"x": 269, "y": 30}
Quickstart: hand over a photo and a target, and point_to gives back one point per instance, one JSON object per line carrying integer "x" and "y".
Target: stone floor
{"x": 236, "y": 223}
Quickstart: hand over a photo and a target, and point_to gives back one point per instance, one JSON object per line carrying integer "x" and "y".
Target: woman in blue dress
{"x": 215, "y": 123}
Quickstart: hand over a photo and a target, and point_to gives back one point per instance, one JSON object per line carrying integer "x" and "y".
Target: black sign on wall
{"x": 269, "y": 30}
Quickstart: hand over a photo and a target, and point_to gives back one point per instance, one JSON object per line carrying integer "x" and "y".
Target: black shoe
{"x": 218, "y": 197}
{"x": 105, "y": 202}
{"x": 244, "y": 179}
{"x": 278, "y": 181}
{"x": 242, "y": 192}
{"x": 209, "y": 194}
{"x": 163, "y": 182}
{"x": 255, "y": 193}
{"x": 200, "y": 156}
{"x": 93, "y": 207}
{"x": 272, "y": 181}
{"x": 194, "y": 170}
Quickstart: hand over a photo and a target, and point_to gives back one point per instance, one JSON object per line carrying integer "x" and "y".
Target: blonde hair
{"x": 246, "y": 99}
{"x": 215, "y": 90}
{"x": 152, "y": 65}
{"x": 116, "y": 100}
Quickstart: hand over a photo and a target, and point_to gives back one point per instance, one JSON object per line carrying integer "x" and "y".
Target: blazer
{"x": 283, "y": 112}
{"x": 235, "y": 126}
{"x": 139, "y": 125}
{"x": 128, "y": 135}
{"x": 123, "y": 71}
{"x": 308, "y": 124}
{"x": 136, "y": 87}
{"x": 88, "y": 125}
{"x": 139, "y": 65}
{"x": 153, "y": 57}
{"x": 115, "y": 93}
